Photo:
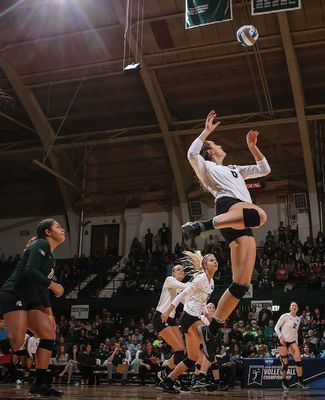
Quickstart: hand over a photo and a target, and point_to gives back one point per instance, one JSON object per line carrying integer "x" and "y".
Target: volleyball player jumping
{"x": 235, "y": 216}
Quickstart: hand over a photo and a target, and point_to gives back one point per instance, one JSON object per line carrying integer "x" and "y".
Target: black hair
{"x": 40, "y": 231}
{"x": 43, "y": 226}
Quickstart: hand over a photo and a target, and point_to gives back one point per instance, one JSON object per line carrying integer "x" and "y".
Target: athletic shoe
{"x": 168, "y": 385}
{"x": 285, "y": 384}
{"x": 56, "y": 393}
{"x": 177, "y": 383}
{"x": 44, "y": 391}
{"x": 191, "y": 230}
{"x": 301, "y": 385}
{"x": 208, "y": 342}
{"x": 223, "y": 387}
{"x": 161, "y": 375}
{"x": 19, "y": 382}
{"x": 200, "y": 384}
{"x": 181, "y": 387}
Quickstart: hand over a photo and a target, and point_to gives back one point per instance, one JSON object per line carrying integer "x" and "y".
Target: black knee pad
{"x": 21, "y": 353}
{"x": 251, "y": 217}
{"x": 298, "y": 363}
{"x": 214, "y": 366}
{"x": 47, "y": 344}
{"x": 5, "y": 346}
{"x": 237, "y": 290}
{"x": 179, "y": 356}
{"x": 189, "y": 363}
{"x": 284, "y": 362}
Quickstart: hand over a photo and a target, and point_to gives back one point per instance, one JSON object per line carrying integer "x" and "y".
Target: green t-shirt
{"x": 30, "y": 277}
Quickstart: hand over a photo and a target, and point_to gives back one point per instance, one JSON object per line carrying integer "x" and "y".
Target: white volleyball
{"x": 247, "y": 35}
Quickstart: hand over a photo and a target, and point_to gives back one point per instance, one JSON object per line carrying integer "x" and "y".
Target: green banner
{"x": 203, "y": 12}
{"x": 270, "y": 6}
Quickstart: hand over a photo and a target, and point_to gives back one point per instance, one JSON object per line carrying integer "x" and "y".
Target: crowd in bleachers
{"x": 282, "y": 261}
{"x": 111, "y": 344}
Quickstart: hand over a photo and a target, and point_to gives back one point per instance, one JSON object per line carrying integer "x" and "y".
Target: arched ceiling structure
{"x": 62, "y": 62}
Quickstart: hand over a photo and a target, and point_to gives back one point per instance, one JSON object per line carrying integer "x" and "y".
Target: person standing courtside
{"x": 25, "y": 302}
{"x": 287, "y": 332}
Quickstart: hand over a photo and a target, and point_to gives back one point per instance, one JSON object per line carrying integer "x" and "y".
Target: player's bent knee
{"x": 16, "y": 343}
{"x": 215, "y": 366}
{"x": 189, "y": 363}
{"x": 47, "y": 344}
{"x": 237, "y": 290}
{"x": 251, "y": 217}
{"x": 179, "y": 356}
{"x": 263, "y": 217}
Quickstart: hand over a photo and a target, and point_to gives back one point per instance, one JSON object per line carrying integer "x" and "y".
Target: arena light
{"x": 132, "y": 68}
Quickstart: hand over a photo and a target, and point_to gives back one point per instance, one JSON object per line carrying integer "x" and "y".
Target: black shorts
{"x": 10, "y": 301}
{"x": 222, "y": 206}
{"x": 287, "y": 344}
{"x": 187, "y": 321}
{"x": 157, "y": 323}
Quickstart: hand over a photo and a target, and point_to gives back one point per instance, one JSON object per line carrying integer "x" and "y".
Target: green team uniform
{"x": 30, "y": 279}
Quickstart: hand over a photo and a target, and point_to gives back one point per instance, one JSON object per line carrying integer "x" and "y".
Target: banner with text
{"x": 204, "y": 12}
{"x": 258, "y": 304}
{"x": 266, "y": 373}
{"x": 80, "y": 311}
{"x": 270, "y": 6}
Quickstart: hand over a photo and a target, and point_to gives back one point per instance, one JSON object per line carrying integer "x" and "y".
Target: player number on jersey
{"x": 234, "y": 174}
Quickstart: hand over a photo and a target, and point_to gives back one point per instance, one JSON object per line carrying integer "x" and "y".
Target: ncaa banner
{"x": 266, "y": 373}
{"x": 271, "y": 6}
{"x": 204, "y": 12}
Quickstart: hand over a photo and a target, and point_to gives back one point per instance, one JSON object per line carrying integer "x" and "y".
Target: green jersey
{"x": 31, "y": 276}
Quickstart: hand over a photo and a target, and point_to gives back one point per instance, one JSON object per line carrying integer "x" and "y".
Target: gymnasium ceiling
{"x": 62, "y": 63}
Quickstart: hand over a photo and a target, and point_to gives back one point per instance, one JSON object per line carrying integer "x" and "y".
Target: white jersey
{"x": 287, "y": 327}
{"x": 169, "y": 291}
{"x": 196, "y": 295}
{"x": 32, "y": 345}
{"x": 225, "y": 181}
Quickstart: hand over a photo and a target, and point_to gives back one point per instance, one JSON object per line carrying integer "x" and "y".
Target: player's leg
{"x": 243, "y": 254}
{"x": 241, "y": 215}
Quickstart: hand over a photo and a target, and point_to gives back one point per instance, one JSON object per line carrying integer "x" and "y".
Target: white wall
{"x": 11, "y": 241}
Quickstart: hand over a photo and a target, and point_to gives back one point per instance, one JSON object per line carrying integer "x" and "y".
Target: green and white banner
{"x": 204, "y": 12}
{"x": 270, "y": 6}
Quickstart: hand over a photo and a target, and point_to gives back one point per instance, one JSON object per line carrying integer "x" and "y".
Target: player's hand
{"x": 282, "y": 341}
{"x": 210, "y": 125}
{"x": 251, "y": 138}
{"x": 164, "y": 316}
{"x": 57, "y": 289}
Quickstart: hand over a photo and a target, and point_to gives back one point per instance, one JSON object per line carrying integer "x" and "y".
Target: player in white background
{"x": 235, "y": 216}
{"x": 194, "y": 298}
{"x": 168, "y": 330}
{"x": 287, "y": 331}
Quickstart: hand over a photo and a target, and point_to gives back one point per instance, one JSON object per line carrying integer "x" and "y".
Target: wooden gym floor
{"x": 149, "y": 392}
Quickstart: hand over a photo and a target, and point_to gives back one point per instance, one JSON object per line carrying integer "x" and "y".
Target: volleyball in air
{"x": 247, "y": 35}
